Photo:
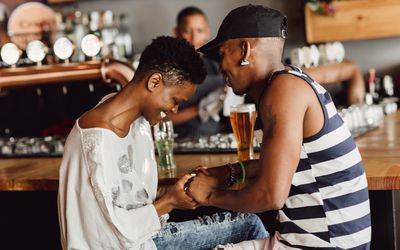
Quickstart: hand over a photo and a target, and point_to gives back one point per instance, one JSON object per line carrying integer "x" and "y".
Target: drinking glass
{"x": 243, "y": 118}
{"x": 164, "y": 140}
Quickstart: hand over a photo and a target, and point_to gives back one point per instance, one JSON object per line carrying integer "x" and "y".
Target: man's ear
{"x": 245, "y": 47}
{"x": 176, "y": 32}
{"x": 154, "y": 81}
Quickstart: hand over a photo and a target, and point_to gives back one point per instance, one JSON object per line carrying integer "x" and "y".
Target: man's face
{"x": 235, "y": 75}
{"x": 194, "y": 29}
{"x": 166, "y": 98}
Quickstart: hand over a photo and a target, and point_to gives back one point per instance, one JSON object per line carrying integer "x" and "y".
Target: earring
{"x": 244, "y": 62}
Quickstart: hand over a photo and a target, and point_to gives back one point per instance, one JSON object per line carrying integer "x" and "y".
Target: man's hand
{"x": 201, "y": 188}
{"x": 356, "y": 92}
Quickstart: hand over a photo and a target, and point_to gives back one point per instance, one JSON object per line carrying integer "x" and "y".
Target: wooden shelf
{"x": 354, "y": 20}
{"x": 107, "y": 69}
{"x": 49, "y": 74}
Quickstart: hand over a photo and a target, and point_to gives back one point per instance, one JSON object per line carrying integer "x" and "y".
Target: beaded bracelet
{"x": 231, "y": 180}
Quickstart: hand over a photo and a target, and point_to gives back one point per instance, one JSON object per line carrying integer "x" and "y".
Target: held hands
{"x": 178, "y": 197}
{"x": 201, "y": 186}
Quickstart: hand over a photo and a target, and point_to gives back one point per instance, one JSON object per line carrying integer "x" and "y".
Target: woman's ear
{"x": 154, "y": 81}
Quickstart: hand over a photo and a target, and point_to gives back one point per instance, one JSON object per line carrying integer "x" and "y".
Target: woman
{"x": 108, "y": 176}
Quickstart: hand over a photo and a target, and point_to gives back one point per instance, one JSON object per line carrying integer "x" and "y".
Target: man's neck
{"x": 259, "y": 86}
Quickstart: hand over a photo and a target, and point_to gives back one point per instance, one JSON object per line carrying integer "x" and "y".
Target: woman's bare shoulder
{"x": 92, "y": 119}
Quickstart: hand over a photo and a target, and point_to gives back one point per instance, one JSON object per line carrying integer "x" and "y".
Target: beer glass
{"x": 164, "y": 140}
{"x": 243, "y": 118}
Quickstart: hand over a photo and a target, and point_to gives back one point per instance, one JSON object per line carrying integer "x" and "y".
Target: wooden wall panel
{"x": 354, "y": 20}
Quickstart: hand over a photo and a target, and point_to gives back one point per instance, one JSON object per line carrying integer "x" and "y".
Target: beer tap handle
{"x": 65, "y": 90}
{"x": 91, "y": 87}
{"x": 116, "y": 70}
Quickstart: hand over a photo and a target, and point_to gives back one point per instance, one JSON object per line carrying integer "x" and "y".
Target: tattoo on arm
{"x": 269, "y": 122}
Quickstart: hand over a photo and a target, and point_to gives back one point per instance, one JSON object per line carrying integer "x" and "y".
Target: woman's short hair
{"x": 174, "y": 58}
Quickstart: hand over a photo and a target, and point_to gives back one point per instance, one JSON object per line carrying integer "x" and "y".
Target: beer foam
{"x": 243, "y": 108}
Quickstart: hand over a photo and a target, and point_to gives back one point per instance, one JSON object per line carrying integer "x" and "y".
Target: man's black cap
{"x": 250, "y": 21}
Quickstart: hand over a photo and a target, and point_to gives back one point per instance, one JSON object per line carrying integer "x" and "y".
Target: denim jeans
{"x": 207, "y": 232}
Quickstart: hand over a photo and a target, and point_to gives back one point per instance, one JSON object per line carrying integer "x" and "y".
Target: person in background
{"x": 108, "y": 174}
{"x": 309, "y": 168}
{"x": 329, "y": 75}
{"x": 200, "y": 114}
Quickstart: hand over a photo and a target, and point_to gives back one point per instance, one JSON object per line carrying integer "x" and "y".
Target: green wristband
{"x": 243, "y": 172}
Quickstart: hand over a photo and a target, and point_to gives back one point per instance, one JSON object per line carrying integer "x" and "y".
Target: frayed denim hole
{"x": 234, "y": 215}
{"x": 173, "y": 229}
{"x": 221, "y": 217}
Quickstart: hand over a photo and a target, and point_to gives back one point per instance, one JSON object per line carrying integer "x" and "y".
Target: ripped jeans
{"x": 207, "y": 232}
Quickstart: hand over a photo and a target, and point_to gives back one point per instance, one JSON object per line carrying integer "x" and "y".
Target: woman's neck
{"x": 123, "y": 109}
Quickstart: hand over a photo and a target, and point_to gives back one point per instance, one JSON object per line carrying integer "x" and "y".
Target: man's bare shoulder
{"x": 286, "y": 90}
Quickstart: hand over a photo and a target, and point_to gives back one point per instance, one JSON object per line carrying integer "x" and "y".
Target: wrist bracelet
{"x": 243, "y": 173}
{"x": 231, "y": 180}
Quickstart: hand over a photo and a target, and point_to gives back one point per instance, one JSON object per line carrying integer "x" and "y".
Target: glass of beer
{"x": 164, "y": 140}
{"x": 243, "y": 118}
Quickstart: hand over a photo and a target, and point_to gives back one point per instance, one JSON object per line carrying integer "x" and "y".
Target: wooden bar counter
{"x": 380, "y": 150}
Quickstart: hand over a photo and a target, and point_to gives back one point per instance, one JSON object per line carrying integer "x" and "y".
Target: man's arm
{"x": 184, "y": 115}
{"x": 223, "y": 173}
{"x": 282, "y": 111}
{"x": 339, "y": 72}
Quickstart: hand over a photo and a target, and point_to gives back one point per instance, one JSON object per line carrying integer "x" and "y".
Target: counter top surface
{"x": 380, "y": 150}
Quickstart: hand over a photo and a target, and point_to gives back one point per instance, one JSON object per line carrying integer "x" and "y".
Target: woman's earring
{"x": 244, "y": 62}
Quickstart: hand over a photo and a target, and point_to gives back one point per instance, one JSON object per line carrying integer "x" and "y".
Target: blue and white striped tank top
{"x": 328, "y": 204}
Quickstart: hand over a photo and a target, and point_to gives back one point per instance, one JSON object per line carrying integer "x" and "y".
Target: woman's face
{"x": 236, "y": 76}
{"x": 166, "y": 98}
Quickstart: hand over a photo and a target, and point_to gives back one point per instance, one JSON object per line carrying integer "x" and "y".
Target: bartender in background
{"x": 200, "y": 114}
{"x": 332, "y": 75}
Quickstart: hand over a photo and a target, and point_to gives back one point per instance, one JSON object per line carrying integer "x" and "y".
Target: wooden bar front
{"x": 380, "y": 150}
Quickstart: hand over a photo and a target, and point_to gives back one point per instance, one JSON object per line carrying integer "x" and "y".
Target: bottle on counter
{"x": 124, "y": 39}
{"x": 60, "y": 27}
{"x": 109, "y": 32}
{"x": 79, "y": 30}
{"x": 374, "y": 86}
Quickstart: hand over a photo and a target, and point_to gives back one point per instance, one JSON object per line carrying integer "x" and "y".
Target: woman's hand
{"x": 175, "y": 197}
{"x": 178, "y": 196}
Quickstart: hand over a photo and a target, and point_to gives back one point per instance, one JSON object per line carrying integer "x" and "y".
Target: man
{"x": 200, "y": 114}
{"x": 309, "y": 168}
{"x": 108, "y": 175}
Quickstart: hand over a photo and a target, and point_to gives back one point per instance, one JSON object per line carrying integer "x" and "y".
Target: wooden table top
{"x": 380, "y": 150}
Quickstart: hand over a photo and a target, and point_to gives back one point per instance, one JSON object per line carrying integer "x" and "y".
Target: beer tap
{"x": 91, "y": 46}
{"x": 36, "y": 51}
{"x": 63, "y": 49}
{"x": 10, "y": 54}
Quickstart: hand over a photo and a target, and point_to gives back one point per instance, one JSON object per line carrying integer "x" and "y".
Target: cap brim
{"x": 211, "y": 49}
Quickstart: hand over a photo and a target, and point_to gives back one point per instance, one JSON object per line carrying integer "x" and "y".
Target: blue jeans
{"x": 207, "y": 232}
